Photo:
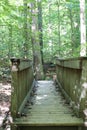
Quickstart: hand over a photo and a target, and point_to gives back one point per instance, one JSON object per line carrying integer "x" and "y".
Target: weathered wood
{"x": 72, "y": 76}
{"x": 20, "y": 110}
{"x": 47, "y": 108}
{"x": 74, "y": 64}
{"x": 14, "y": 94}
{"x": 69, "y": 100}
{"x": 22, "y": 78}
{"x": 83, "y": 86}
{"x": 21, "y": 64}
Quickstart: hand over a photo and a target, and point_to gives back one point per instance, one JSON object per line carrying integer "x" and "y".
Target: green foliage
{"x": 61, "y": 34}
{"x": 68, "y": 21}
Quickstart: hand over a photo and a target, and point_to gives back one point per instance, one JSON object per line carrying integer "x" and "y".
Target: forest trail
{"x": 47, "y": 106}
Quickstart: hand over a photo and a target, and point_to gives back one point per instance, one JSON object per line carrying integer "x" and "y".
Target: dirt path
{"x": 5, "y": 94}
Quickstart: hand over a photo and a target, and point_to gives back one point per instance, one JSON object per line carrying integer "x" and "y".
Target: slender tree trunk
{"x": 10, "y": 42}
{"x": 35, "y": 44}
{"x": 72, "y": 31}
{"x": 25, "y": 32}
{"x": 50, "y": 31}
{"x": 82, "y": 28}
{"x": 59, "y": 39}
{"x": 40, "y": 28}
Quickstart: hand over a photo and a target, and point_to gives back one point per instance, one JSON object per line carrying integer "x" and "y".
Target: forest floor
{"x": 5, "y": 101}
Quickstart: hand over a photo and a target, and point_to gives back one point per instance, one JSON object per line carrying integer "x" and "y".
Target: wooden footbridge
{"x": 42, "y": 105}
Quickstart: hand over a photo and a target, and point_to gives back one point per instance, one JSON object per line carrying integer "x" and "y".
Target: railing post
{"x": 14, "y": 85}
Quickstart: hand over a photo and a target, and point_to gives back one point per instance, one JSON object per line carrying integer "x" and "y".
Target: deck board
{"x": 48, "y": 107}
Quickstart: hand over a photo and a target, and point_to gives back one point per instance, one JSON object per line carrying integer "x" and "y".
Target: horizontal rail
{"x": 20, "y": 64}
{"x": 75, "y": 63}
{"x": 72, "y": 77}
{"x": 22, "y": 79}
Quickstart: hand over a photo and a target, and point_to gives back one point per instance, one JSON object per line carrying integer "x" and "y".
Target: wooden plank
{"x": 72, "y": 75}
{"x": 20, "y": 64}
{"x": 24, "y": 65}
{"x": 60, "y": 63}
{"x": 75, "y": 64}
{"x": 14, "y": 99}
{"x": 48, "y": 123}
{"x": 22, "y": 78}
{"x": 69, "y": 100}
{"x": 47, "y": 108}
{"x": 25, "y": 100}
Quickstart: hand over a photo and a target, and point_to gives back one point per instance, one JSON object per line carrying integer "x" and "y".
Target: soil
{"x": 5, "y": 101}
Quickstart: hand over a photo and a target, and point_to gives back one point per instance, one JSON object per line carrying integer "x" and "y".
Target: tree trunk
{"x": 10, "y": 42}
{"x": 35, "y": 44}
{"x": 59, "y": 38}
{"x": 72, "y": 31}
{"x": 82, "y": 28}
{"x": 50, "y": 31}
{"x": 39, "y": 4}
{"x": 25, "y": 32}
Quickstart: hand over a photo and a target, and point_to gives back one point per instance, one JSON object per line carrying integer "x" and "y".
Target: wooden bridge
{"x": 42, "y": 105}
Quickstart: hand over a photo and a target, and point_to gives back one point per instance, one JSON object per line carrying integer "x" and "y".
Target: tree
{"x": 10, "y": 42}
{"x": 59, "y": 38}
{"x": 56, "y": 31}
{"x": 40, "y": 29}
{"x": 37, "y": 61}
{"x": 82, "y": 28}
{"x": 25, "y": 32}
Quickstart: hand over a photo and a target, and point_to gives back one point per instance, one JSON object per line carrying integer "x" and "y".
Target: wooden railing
{"x": 22, "y": 81}
{"x": 72, "y": 79}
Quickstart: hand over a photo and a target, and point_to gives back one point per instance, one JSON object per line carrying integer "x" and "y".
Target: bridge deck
{"x": 47, "y": 107}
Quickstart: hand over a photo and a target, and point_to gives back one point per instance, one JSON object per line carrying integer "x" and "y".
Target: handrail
{"x": 22, "y": 79}
{"x": 72, "y": 79}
